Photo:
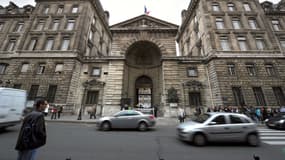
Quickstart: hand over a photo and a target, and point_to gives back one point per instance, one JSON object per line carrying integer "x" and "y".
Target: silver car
{"x": 219, "y": 127}
{"x": 127, "y": 119}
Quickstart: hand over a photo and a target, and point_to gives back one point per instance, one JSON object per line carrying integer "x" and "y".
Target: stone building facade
{"x": 231, "y": 53}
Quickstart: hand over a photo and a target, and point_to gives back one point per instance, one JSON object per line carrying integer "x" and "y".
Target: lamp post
{"x": 85, "y": 85}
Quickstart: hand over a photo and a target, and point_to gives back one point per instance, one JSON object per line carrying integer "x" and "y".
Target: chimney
{"x": 107, "y": 16}
{"x": 183, "y": 14}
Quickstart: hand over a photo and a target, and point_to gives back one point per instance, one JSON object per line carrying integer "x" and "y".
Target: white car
{"x": 219, "y": 127}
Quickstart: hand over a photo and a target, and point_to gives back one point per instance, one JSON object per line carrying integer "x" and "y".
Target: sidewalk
{"x": 85, "y": 119}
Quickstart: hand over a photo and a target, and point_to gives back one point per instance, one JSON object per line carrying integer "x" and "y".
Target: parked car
{"x": 219, "y": 127}
{"x": 127, "y": 119}
{"x": 276, "y": 122}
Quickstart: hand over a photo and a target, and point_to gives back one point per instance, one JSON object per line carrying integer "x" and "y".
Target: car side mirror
{"x": 212, "y": 123}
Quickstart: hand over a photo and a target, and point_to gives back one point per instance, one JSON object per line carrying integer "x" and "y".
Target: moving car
{"x": 219, "y": 127}
{"x": 12, "y": 105}
{"x": 276, "y": 122}
{"x": 127, "y": 119}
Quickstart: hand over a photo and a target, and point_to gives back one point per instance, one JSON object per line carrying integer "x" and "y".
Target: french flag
{"x": 146, "y": 11}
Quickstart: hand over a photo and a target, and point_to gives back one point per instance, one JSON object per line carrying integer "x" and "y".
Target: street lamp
{"x": 85, "y": 85}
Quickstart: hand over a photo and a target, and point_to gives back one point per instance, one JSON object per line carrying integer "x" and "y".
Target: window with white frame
{"x": 11, "y": 45}
{"x": 231, "y": 7}
{"x": 260, "y": 45}
{"x": 74, "y": 9}
{"x": 49, "y": 44}
{"x": 19, "y": 27}
{"x": 220, "y": 23}
{"x": 60, "y": 9}
{"x": 3, "y": 67}
{"x": 41, "y": 68}
{"x": 70, "y": 24}
{"x": 96, "y": 71}
{"x": 242, "y": 43}
{"x": 40, "y": 25}
{"x": 270, "y": 69}
{"x": 231, "y": 69}
{"x": 236, "y": 23}
{"x": 33, "y": 44}
{"x": 276, "y": 25}
{"x": 59, "y": 68}
{"x": 215, "y": 6}
{"x": 91, "y": 34}
{"x": 46, "y": 10}
{"x": 192, "y": 72}
{"x": 252, "y": 23}
{"x": 224, "y": 42}
{"x": 55, "y": 24}
{"x": 282, "y": 42}
{"x": 246, "y": 7}
{"x": 251, "y": 70}
{"x": 25, "y": 67}
{"x": 65, "y": 44}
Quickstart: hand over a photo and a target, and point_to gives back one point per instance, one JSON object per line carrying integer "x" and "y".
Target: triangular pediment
{"x": 144, "y": 21}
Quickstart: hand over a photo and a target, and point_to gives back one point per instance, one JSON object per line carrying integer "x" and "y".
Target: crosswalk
{"x": 271, "y": 136}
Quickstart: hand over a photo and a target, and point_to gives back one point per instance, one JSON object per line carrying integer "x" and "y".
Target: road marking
{"x": 274, "y": 142}
{"x": 272, "y": 137}
{"x": 272, "y": 134}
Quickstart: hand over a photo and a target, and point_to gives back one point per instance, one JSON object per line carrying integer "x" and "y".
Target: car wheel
{"x": 253, "y": 140}
{"x": 199, "y": 139}
{"x": 106, "y": 126}
{"x": 142, "y": 126}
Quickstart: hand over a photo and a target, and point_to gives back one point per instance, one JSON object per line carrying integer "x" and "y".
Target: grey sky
{"x": 121, "y": 10}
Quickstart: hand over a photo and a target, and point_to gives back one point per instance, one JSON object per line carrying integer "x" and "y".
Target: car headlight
{"x": 266, "y": 120}
{"x": 281, "y": 121}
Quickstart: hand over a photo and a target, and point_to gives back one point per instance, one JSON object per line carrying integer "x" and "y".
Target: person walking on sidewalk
{"x": 60, "y": 109}
{"x": 32, "y": 134}
{"x": 93, "y": 112}
{"x": 53, "y": 112}
{"x": 181, "y": 114}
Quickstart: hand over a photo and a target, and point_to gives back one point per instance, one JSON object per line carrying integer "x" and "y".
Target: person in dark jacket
{"x": 33, "y": 133}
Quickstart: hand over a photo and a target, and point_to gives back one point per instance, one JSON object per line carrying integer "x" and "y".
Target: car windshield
{"x": 201, "y": 118}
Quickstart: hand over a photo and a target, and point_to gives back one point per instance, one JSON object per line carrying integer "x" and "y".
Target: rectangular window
{"x": 41, "y": 68}
{"x": 88, "y": 50}
{"x": 40, "y": 25}
{"x": 195, "y": 99}
{"x": 49, "y": 44}
{"x": 270, "y": 70}
{"x": 60, "y": 9}
{"x": 192, "y": 72}
{"x": 92, "y": 97}
{"x": 3, "y": 68}
{"x": 252, "y": 23}
{"x": 19, "y": 27}
{"x": 231, "y": 69}
{"x": 220, "y": 23}
{"x": 33, "y": 44}
{"x": 11, "y": 45}
{"x": 70, "y": 24}
{"x": 276, "y": 25}
{"x": 242, "y": 43}
{"x": 1, "y": 26}
{"x": 231, "y": 7}
{"x": 91, "y": 34}
{"x": 74, "y": 9}
{"x": 260, "y": 43}
{"x": 59, "y": 68}
{"x": 236, "y": 23}
{"x": 24, "y": 68}
{"x": 238, "y": 96}
{"x": 65, "y": 44}
{"x": 215, "y": 6}
{"x": 46, "y": 10}
{"x": 246, "y": 7}
{"x": 259, "y": 96}
{"x": 55, "y": 24}
{"x": 279, "y": 95}
{"x": 224, "y": 43}
{"x": 251, "y": 69}
{"x": 51, "y": 93}
{"x": 282, "y": 42}
{"x": 96, "y": 72}
{"x": 33, "y": 92}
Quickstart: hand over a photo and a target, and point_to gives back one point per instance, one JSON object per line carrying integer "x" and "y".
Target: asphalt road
{"x": 85, "y": 142}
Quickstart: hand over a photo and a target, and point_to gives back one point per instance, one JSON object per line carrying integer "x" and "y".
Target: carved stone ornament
{"x": 194, "y": 84}
{"x": 93, "y": 82}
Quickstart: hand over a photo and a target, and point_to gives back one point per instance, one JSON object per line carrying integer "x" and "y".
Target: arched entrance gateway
{"x": 142, "y": 74}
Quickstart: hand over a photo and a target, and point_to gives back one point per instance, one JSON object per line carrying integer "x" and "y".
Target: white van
{"x": 12, "y": 104}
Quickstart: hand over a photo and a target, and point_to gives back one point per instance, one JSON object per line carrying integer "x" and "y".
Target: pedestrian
{"x": 181, "y": 114}
{"x": 93, "y": 112}
{"x": 32, "y": 134}
{"x": 46, "y": 110}
{"x": 53, "y": 112}
{"x": 60, "y": 109}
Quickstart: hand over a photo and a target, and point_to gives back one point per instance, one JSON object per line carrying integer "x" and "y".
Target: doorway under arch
{"x": 144, "y": 87}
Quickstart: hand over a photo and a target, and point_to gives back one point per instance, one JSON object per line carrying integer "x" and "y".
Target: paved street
{"x": 84, "y": 142}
